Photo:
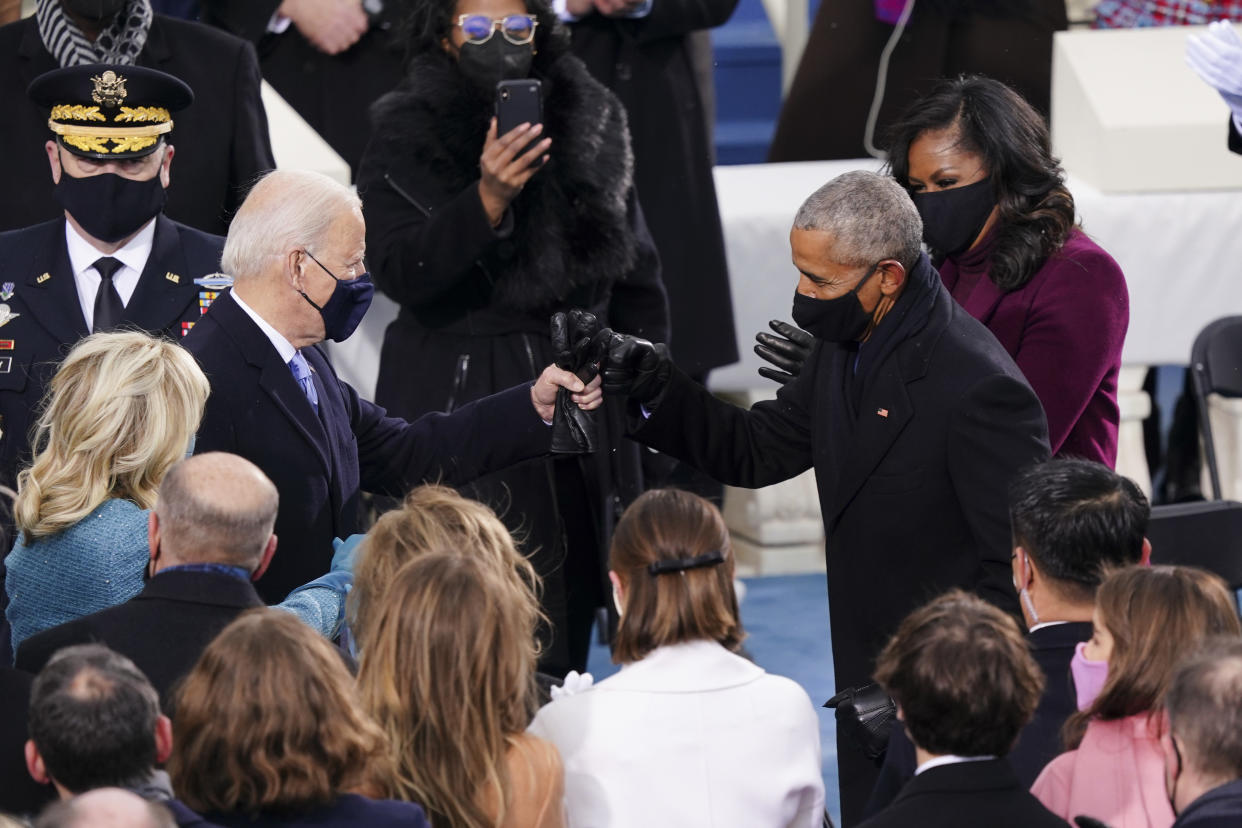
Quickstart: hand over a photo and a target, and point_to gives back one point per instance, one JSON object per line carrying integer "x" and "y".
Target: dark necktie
{"x": 108, "y": 307}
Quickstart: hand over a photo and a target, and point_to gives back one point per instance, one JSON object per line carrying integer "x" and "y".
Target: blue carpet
{"x": 786, "y": 619}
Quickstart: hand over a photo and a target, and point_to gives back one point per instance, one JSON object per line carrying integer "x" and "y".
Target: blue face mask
{"x": 189, "y": 449}
{"x": 343, "y": 311}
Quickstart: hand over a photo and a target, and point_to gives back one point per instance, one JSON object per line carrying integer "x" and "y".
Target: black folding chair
{"x": 1207, "y": 535}
{"x": 1216, "y": 368}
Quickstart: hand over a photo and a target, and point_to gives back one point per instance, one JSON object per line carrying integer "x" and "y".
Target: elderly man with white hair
{"x": 296, "y": 251}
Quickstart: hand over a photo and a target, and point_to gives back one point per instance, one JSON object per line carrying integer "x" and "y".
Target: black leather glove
{"x": 787, "y": 350}
{"x": 634, "y": 367}
{"x": 574, "y": 348}
{"x": 867, "y": 714}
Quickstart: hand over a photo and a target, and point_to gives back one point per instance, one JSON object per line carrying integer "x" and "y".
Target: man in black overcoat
{"x": 296, "y": 251}
{"x": 912, "y": 415}
{"x": 222, "y": 142}
{"x": 644, "y": 52}
{"x": 211, "y": 536}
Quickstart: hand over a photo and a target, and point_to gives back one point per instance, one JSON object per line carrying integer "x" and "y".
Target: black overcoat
{"x": 475, "y": 302}
{"x": 322, "y": 462}
{"x": 649, "y": 63}
{"x": 221, "y": 140}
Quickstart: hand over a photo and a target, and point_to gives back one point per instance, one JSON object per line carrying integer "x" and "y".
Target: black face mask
{"x": 842, "y": 319}
{"x": 98, "y": 12}
{"x": 488, "y": 63}
{"x": 343, "y": 311}
{"x": 953, "y": 219}
{"x": 108, "y": 206}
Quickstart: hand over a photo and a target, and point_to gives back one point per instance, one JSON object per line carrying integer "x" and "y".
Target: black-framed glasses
{"x": 518, "y": 29}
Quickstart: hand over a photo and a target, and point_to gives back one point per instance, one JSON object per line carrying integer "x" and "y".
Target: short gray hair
{"x": 1204, "y": 702}
{"x": 870, "y": 217}
{"x": 217, "y": 508}
{"x": 286, "y": 210}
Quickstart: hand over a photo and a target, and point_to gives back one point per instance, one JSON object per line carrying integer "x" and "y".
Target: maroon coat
{"x": 1064, "y": 328}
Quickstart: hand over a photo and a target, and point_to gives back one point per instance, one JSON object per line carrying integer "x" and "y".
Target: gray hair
{"x": 1204, "y": 702}
{"x": 102, "y": 805}
{"x": 217, "y": 508}
{"x": 870, "y": 217}
{"x": 286, "y": 210}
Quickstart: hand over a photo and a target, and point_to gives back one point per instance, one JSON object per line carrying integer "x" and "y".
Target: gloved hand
{"x": 1216, "y": 57}
{"x": 574, "y": 683}
{"x": 574, "y": 348}
{"x": 787, "y": 350}
{"x": 634, "y": 367}
{"x": 345, "y": 553}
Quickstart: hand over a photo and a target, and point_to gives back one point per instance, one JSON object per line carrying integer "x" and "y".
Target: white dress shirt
{"x": 949, "y": 759}
{"x": 83, "y": 255}
{"x": 282, "y": 345}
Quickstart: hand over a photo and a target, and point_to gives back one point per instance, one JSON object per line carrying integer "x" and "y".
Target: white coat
{"x": 691, "y": 736}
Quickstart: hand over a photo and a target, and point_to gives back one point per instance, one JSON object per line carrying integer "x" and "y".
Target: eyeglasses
{"x": 518, "y": 29}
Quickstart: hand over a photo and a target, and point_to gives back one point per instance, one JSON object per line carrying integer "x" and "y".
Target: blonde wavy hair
{"x": 448, "y": 672}
{"x": 435, "y": 518}
{"x": 120, "y": 410}
{"x": 268, "y": 721}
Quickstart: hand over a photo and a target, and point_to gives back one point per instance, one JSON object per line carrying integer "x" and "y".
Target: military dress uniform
{"x": 104, "y": 113}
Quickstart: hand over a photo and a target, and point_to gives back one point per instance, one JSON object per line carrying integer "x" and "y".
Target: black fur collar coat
{"x": 573, "y": 234}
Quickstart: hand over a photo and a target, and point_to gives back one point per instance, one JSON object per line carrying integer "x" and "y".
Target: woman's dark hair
{"x": 1036, "y": 210}
{"x": 426, "y": 23}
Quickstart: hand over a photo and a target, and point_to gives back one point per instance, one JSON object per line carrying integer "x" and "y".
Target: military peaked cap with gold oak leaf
{"x": 110, "y": 112}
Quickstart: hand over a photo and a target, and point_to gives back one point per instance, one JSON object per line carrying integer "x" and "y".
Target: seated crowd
{"x": 168, "y": 694}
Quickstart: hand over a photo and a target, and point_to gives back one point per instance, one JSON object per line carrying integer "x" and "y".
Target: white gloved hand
{"x": 574, "y": 683}
{"x": 1216, "y": 57}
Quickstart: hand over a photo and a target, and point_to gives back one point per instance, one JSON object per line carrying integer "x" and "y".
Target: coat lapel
{"x": 275, "y": 378}
{"x": 982, "y": 302}
{"x": 166, "y": 287}
{"x": 882, "y": 415}
{"x": 51, "y": 295}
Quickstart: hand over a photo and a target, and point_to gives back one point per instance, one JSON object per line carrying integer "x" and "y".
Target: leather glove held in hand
{"x": 867, "y": 714}
{"x": 635, "y": 368}
{"x": 787, "y": 350}
{"x": 575, "y": 349}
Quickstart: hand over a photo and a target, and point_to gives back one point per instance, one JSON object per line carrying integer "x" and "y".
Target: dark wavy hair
{"x": 1036, "y": 209}
{"x": 426, "y": 23}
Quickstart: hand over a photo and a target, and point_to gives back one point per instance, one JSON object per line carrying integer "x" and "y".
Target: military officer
{"x": 113, "y": 260}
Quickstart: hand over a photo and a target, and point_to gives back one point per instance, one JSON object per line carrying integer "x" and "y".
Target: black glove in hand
{"x": 634, "y": 367}
{"x": 574, "y": 348}
{"x": 787, "y": 350}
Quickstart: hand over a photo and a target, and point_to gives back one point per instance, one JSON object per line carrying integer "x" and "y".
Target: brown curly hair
{"x": 268, "y": 721}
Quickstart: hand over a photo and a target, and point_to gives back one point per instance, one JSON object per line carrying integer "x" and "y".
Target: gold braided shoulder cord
{"x": 143, "y": 113}
{"x": 76, "y": 112}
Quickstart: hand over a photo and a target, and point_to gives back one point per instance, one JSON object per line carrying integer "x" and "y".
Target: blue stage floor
{"x": 786, "y": 618}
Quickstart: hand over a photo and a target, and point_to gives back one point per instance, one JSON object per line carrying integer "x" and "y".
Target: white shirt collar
{"x": 1043, "y": 624}
{"x": 949, "y": 759}
{"x": 282, "y": 345}
{"x": 134, "y": 255}
{"x": 83, "y": 255}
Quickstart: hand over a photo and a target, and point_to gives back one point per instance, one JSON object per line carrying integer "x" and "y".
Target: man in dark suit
{"x": 1071, "y": 518}
{"x": 912, "y": 415}
{"x": 222, "y": 141}
{"x": 295, "y": 251}
{"x": 95, "y": 722}
{"x": 965, "y": 685}
{"x": 211, "y": 535}
{"x": 53, "y": 289}
{"x": 1203, "y": 743}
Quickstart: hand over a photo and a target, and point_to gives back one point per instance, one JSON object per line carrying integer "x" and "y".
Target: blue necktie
{"x": 302, "y": 373}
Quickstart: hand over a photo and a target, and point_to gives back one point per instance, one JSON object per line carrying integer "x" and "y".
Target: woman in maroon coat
{"x": 977, "y": 160}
